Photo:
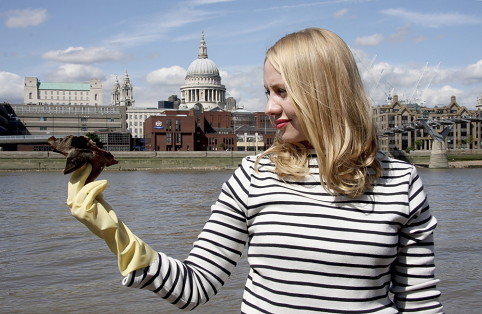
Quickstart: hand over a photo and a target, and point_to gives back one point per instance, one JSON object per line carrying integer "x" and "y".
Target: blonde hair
{"x": 325, "y": 88}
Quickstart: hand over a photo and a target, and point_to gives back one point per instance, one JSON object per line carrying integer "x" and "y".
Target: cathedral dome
{"x": 202, "y": 89}
{"x": 203, "y": 66}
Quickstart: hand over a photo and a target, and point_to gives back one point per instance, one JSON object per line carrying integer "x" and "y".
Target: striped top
{"x": 309, "y": 250}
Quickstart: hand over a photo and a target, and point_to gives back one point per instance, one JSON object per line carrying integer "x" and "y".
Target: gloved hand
{"x": 88, "y": 206}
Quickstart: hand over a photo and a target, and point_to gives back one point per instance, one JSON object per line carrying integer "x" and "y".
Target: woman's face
{"x": 279, "y": 106}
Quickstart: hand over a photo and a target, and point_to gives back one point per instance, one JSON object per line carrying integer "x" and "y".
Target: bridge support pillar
{"x": 438, "y": 155}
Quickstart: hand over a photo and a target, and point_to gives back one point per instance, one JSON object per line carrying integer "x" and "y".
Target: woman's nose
{"x": 272, "y": 107}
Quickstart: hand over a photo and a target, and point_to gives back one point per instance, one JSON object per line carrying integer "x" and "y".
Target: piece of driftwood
{"x": 80, "y": 150}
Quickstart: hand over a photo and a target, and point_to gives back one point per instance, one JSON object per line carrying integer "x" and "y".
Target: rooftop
{"x": 65, "y": 86}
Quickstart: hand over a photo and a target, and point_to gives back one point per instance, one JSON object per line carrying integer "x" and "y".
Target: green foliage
{"x": 418, "y": 144}
{"x": 94, "y": 137}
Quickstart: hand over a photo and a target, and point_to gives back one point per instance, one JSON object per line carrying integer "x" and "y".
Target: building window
{"x": 168, "y": 138}
{"x": 43, "y": 119}
{"x": 178, "y": 138}
{"x": 95, "y": 97}
{"x": 83, "y": 119}
{"x": 43, "y": 128}
{"x": 178, "y": 125}
{"x": 84, "y": 128}
{"x": 168, "y": 125}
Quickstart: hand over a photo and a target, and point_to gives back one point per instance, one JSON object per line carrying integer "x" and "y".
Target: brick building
{"x": 397, "y": 124}
{"x": 200, "y": 130}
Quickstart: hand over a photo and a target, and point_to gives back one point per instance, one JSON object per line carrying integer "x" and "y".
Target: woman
{"x": 330, "y": 225}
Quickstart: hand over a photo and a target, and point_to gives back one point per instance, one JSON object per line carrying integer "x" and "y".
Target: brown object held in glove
{"x": 80, "y": 150}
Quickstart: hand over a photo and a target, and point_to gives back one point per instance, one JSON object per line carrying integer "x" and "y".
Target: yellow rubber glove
{"x": 88, "y": 206}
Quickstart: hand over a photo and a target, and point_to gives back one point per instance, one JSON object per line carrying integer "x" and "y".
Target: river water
{"x": 51, "y": 263}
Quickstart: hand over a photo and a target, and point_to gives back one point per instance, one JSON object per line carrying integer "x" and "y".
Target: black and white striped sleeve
{"x": 413, "y": 281}
{"x": 218, "y": 248}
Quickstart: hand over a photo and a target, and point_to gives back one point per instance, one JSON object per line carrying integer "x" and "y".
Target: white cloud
{"x": 433, "y": 19}
{"x": 11, "y": 88}
{"x": 203, "y": 2}
{"x": 245, "y": 84}
{"x": 161, "y": 84}
{"x": 341, "y": 13}
{"x": 25, "y": 18}
{"x": 419, "y": 39}
{"x": 75, "y": 73}
{"x": 173, "y": 75}
{"x": 436, "y": 86}
{"x": 403, "y": 34}
{"x": 83, "y": 55}
{"x": 441, "y": 95}
{"x": 153, "y": 29}
{"x": 400, "y": 34}
{"x": 310, "y": 4}
{"x": 472, "y": 74}
{"x": 371, "y": 40}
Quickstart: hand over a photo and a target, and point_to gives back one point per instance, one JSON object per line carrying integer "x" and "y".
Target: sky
{"x": 421, "y": 50}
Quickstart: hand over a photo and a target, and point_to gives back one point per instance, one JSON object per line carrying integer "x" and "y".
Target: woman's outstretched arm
{"x": 217, "y": 250}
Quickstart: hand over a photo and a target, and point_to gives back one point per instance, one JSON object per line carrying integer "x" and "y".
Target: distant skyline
{"x": 394, "y": 42}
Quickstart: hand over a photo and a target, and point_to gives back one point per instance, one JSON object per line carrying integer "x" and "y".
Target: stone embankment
{"x": 128, "y": 160}
{"x": 466, "y": 164}
{"x": 457, "y": 158}
{"x": 197, "y": 160}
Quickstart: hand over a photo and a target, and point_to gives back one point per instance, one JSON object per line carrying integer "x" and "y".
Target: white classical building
{"x": 203, "y": 83}
{"x": 122, "y": 95}
{"x": 41, "y": 93}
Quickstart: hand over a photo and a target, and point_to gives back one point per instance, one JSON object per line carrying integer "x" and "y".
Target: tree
{"x": 418, "y": 144}
{"x": 470, "y": 141}
{"x": 94, "y": 137}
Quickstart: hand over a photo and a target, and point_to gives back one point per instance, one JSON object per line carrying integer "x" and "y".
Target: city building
{"x": 10, "y": 124}
{"x": 136, "y": 117}
{"x": 172, "y": 102}
{"x": 40, "y": 93}
{"x": 203, "y": 83}
{"x": 62, "y": 120}
{"x": 214, "y": 130}
{"x": 399, "y": 128}
{"x": 122, "y": 95}
{"x": 115, "y": 141}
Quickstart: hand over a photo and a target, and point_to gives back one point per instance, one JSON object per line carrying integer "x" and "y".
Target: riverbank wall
{"x": 128, "y": 160}
{"x": 15, "y": 160}
{"x": 457, "y": 158}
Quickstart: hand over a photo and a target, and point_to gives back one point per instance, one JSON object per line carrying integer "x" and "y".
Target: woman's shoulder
{"x": 392, "y": 165}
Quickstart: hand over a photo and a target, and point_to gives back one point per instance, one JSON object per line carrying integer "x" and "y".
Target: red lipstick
{"x": 281, "y": 123}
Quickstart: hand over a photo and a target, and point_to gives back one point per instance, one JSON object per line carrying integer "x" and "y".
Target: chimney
{"x": 452, "y": 100}
{"x": 395, "y": 99}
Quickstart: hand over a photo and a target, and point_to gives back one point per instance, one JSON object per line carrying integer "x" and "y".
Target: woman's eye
{"x": 282, "y": 92}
